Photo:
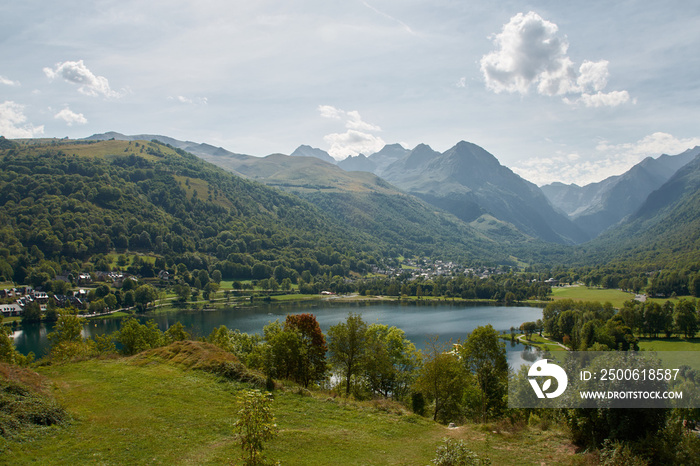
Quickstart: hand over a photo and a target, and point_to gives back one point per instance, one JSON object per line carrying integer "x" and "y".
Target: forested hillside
{"x": 65, "y": 203}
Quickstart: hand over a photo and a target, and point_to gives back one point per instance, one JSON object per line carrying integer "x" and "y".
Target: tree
{"x": 484, "y": 355}
{"x": 183, "y": 291}
{"x": 66, "y": 339}
{"x": 144, "y": 295}
{"x": 442, "y": 378}
{"x": 135, "y": 337}
{"x": 283, "y": 352}
{"x": 221, "y": 337}
{"x": 528, "y": 328}
{"x": 255, "y": 423}
{"x": 31, "y": 313}
{"x": 8, "y": 351}
{"x": 685, "y": 318}
{"x": 176, "y": 332}
{"x": 312, "y": 367}
{"x": 347, "y": 347}
{"x": 391, "y": 361}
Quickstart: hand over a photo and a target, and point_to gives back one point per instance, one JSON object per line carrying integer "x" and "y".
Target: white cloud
{"x": 607, "y": 160}
{"x": 190, "y": 101}
{"x": 328, "y": 111}
{"x": 358, "y": 139}
{"x": 611, "y": 99}
{"x": 531, "y": 53}
{"x": 70, "y": 117}
{"x": 77, "y": 73}
{"x": 13, "y": 122}
{"x": 652, "y": 145}
{"x": 593, "y": 74}
{"x": 8, "y": 81}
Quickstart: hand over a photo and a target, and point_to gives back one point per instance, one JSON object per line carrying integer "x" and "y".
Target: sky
{"x": 570, "y": 91}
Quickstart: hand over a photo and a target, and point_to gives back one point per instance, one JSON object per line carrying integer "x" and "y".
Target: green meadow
{"x": 150, "y": 410}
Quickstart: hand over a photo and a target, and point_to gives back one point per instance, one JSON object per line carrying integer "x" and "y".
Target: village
{"x": 13, "y": 301}
{"x": 427, "y": 269}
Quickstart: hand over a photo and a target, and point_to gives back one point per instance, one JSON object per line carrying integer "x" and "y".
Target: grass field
{"x": 679, "y": 346}
{"x": 583, "y": 293}
{"x": 538, "y": 341}
{"x": 145, "y": 411}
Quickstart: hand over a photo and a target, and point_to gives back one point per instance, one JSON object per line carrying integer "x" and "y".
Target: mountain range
{"x": 464, "y": 194}
{"x": 598, "y": 206}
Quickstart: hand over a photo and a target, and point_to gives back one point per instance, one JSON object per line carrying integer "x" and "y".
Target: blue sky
{"x": 558, "y": 91}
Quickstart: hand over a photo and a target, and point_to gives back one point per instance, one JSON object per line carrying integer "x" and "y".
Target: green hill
{"x": 153, "y": 409}
{"x": 66, "y": 202}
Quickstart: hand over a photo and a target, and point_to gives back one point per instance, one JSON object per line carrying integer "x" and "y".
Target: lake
{"x": 418, "y": 321}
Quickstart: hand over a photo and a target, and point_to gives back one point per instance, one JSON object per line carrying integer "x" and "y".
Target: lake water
{"x": 418, "y": 321}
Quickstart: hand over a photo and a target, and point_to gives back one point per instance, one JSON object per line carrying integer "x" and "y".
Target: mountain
{"x": 369, "y": 205}
{"x": 389, "y": 154}
{"x": 359, "y": 163}
{"x": 308, "y": 151}
{"x": 199, "y": 149}
{"x": 469, "y": 182}
{"x": 413, "y": 160}
{"x": 598, "y": 206}
{"x": 204, "y": 151}
{"x": 664, "y": 231}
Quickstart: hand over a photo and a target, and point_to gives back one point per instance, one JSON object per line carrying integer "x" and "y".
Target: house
{"x": 41, "y": 297}
{"x": 72, "y": 301}
{"x": 9, "y": 310}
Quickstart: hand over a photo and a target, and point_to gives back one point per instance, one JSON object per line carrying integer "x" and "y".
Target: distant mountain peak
{"x": 358, "y": 163}
{"x": 308, "y": 151}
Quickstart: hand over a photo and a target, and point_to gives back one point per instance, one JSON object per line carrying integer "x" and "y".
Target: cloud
{"x": 8, "y": 81}
{"x": 77, "y": 73}
{"x": 530, "y": 52}
{"x": 70, "y": 117}
{"x": 328, "y": 111}
{"x": 189, "y": 101}
{"x": 13, "y": 122}
{"x": 654, "y": 144}
{"x": 600, "y": 99}
{"x": 358, "y": 139}
{"x": 607, "y": 160}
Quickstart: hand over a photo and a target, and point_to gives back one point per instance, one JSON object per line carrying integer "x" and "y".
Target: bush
{"x": 619, "y": 454}
{"x": 418, "y": 403}
{"x": 455, "y": 453}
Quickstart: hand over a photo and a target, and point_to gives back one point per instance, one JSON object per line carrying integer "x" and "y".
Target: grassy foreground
{"x": 148, "y": 410}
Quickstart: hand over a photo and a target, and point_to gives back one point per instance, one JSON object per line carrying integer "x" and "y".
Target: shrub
{"x": 455, "y": 453}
